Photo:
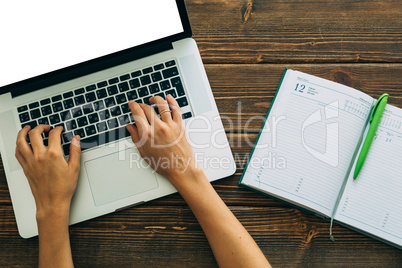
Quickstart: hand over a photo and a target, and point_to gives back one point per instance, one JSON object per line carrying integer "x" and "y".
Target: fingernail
{"x": 76, "y": 141}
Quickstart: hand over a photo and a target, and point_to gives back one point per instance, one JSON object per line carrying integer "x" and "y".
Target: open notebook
{"x": 307, "y": 148}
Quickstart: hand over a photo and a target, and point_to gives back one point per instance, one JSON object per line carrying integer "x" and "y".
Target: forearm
{"x": 54, "y": 241}
{"x": 231, "y": 243}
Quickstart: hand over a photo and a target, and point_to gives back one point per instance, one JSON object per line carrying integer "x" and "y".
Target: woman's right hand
{"x": 162, "y": 141}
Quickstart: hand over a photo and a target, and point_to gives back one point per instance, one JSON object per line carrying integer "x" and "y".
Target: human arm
{"x": 53, "y": 182}
{"x": 164, "y": 139}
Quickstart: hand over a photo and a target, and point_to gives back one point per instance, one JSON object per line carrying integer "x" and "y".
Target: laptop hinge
{"x": 92, "y": 66}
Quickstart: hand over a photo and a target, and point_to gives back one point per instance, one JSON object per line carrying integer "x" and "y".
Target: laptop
{"x": 77, "y": 64}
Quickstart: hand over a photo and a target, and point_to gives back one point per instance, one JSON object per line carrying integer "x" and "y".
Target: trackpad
{"x": 117, "y": 176}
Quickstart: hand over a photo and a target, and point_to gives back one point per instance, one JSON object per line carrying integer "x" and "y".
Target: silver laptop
{"x": 77, "y": 64}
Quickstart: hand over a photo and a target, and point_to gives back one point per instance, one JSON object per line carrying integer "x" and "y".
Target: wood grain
{"x": 258, "y": 31}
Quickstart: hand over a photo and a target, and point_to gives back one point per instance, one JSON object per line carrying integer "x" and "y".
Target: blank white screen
{"x": 45, "y": 35}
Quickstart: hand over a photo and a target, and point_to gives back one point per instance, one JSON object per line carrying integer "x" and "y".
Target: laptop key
{"x": 65, "y": 115}
{"x": 186, "y": 115}
{"x": 57, "y": 107}
{"x": 101, "y": 93}
{"x": 176, "y": 82}
{"x": 124, "y": 77}
{"x": 87, "y": 108}
{"x": 143, "y": 92}
{"x": 170, "y": 72}
{"x": 90, "y": 130}
{"x": 109, "y": 102}
{"x": 33, "y": 124}
{"x": 46, "y": 110}
{"x": 79, "y": 91}
{"x": 93, "y": 118}
{"x": 165, "y": 85}
{"x": 79, "y": 100}
{"x": 22, "y": 108}
{"x": 159, "y": 67}
{"x": 182, "y": 101}
{"x": 56, "y": 98}
{"x": 147, "y": 70}
{"x": 171, "y": 92}
{"x": 90, "y": 97}
{"x": 76, "y": 112}
{"x": 123, "y": 87}
{"x": 136, "y": 74}
{"x": 90, "y": 87}
{"x": 54, "y": 119}
{"x": 99, "y": 105}
{"x": 121, "y": 98}
{"x": 132, "y": 95}
{"x": 43, "y": 121}
{"x": 145, "y": 80}
{"x": 112, "y": 90}
{"x": 101, "y": 84}
{"x": 154, "y": 88}
{"x": 123, "y": 120}
{"x": 112, "y": 123}
{"x": 115, "y": 111}
{"x": 82, "y": 121}
{"x": 124, "y": 108}
{"x": 156, "y": 77}
{"x": 24, "y": 117}
{"x": 80, "y": 132}
{"x": 68, "y": 95}
{"x": 113, "y": 81}
{"x": 35, "y": 113}
{"x": 104, "y": 115}
{"x": 33, "y": 105}
{"x": 146, "y": 100}
{"x": 45, "y": 101}
{"x": 69, "y": 103}
{"x": 134, "y": 83}
{"x": 101, "y": 126}
{"x": 71, "y": 125}
{"x": 67, "y": 137}
{"x": 170, "y": 63}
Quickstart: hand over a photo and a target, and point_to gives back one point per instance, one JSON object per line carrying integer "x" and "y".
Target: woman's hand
{"x": 161, "y": 140}
{"x": 51, "y": 178}
{"x": 53, "y": 182}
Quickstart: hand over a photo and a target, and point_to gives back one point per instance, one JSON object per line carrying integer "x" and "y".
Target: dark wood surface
{"x": 245, "y": 46}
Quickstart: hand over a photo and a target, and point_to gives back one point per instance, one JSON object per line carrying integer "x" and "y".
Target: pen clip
{"x": 376, "y": 105}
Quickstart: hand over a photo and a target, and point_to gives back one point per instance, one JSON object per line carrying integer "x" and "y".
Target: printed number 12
{"x": 301, "y": 88}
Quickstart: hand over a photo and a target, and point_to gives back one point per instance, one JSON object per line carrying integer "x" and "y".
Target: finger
{"x": 35, "y": 136}
{"x": 134, "y": 133}
{"x": 150, "y": 113}
{"x": 22, "y": 144}
{"x": 175, "y": 108}
{"x": 163, "y": 107}
{"x": 139, "y": 116}
{"x": 20, "y": 157}
{"x": 75, "y": 153}
{"x": 54, "y": 137}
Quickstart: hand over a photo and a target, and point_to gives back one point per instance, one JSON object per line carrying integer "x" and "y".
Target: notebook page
{"x": 373, "y": 202}
{"x": 308, "y": 140}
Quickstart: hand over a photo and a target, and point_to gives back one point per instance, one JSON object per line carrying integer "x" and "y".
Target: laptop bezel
{"x": 101, "y": 63}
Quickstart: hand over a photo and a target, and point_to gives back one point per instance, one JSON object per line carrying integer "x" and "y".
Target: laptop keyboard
{"x": 99, "y": 112}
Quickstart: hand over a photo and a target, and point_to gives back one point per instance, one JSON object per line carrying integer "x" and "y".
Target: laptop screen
{"x": 46, "y": 35}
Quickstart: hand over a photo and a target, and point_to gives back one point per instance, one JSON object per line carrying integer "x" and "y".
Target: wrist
{"x": 190, "y": 178}
{"x": 53, "y": 213}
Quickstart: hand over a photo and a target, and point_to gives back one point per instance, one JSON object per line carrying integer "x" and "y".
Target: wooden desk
{"x": 245, "y": 46}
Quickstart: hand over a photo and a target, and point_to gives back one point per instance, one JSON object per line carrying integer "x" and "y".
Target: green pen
{"x": 375, "y": 118}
